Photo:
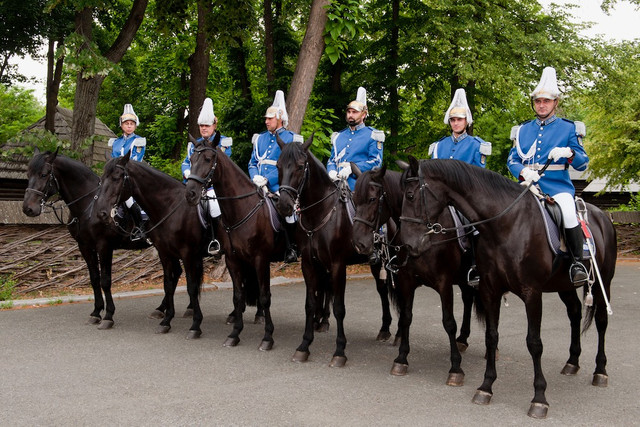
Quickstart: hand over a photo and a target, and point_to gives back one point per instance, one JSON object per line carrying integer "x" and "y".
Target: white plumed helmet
{"x": 459, "y": 107}
{"x": 278, "y": 109}
{"x": 129, "y": 114}
{"x": 206, "y": 116}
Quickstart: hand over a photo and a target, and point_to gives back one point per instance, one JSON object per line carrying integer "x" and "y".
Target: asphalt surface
{"x": 56, "y": 370}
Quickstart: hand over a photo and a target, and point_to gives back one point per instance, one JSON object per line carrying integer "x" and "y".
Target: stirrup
{"x": 578, "y": 274}
{"x": 290, "y": 255}
{"x": 473, "y": 278}
{"x": 138, "y": 234}
{"x": 214, "y": 247}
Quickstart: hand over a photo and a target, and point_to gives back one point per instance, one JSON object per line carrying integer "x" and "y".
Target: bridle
{"x": 382, "y": 201}
{"x": 206, "y": 181}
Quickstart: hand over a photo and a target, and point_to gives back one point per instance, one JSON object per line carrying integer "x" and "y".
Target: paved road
{"x": 55, "y": 370}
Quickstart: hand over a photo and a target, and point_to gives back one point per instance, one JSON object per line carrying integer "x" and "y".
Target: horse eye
{"x": 44, "y": 175}
{"x": 371, "y": 200}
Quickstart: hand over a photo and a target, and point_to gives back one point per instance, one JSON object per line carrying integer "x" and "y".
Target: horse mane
{"x": 293, "y": 152}
{"x": 463, "y": 177}
{"x": 155, "y": 173}
{"x": 81, "y": 172}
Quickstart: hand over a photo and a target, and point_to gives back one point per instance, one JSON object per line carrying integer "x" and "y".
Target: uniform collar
{"x": 358, "y": 127}
{"x": 462, "y": 136}
{"x": 546, "y": 122}
{"x": 278, "y": 131}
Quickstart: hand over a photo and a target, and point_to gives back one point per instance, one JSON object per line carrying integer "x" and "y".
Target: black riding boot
{"x": 138, "y": 230}
{"x": 291, "y": 252}
{"x": 473, "y": 278}
{"x": 575, "y": 243}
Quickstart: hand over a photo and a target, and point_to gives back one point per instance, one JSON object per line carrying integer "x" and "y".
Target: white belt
{"x": 538, "y": 166}
{"x": 268, "y": 162}
{"x": 344, "y": 164}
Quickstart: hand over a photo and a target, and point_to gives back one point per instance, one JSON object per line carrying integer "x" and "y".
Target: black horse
{"x": 378, "y": 197}
{"x": 512, "y": 255}
{"x": 249, "y": 239}
{"x": 175, "y": 228}
{"x": 324, "y": 235}
{"x": 50, "y": 174}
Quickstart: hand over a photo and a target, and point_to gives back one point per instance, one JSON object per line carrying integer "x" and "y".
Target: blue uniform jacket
{"x": 533, "y": 140}
{"x": 134, "y": 143}
{"x": 467, "y": 148}
{"x": 225, "y": 144}
{"x": 362, "y": 146}
{"x": 265, "y": 154}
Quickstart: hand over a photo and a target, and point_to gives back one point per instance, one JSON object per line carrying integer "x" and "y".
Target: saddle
{"x": 276, "y": 222}
{"x": 554, "y": 228}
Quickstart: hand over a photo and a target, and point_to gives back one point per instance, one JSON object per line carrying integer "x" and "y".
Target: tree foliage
{"x": 18, "y": 109}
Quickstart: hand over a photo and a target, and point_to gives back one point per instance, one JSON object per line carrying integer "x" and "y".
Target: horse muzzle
{"x": 31, "y": 209}
{"x": 192, "y": 196}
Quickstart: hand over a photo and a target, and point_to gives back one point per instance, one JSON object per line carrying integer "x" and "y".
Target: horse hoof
{"x": 600, "y": 380}
{"x": 157, "y": 315}
{"x": 193, "y": 334}
{"x": 497, "y": 355}
{"x": 383, "y": 336}
{"x": 105, "y": 324}
{"x": 188, "y": 312}
{"x": 570, "y": 369}
{"x": 462, "y": 347}
{"x": 456, "y": 379}
{"x": 231, "y": 342}
{"x": 93, "y": 320}
{"x": 322, "y": 327}
{"x": 230, "y": 320}
{"x": 300, "y": 356}
{"x": 396, "y": 341}
{"x": 265, "y": 345}
{"x": 482, "y": 397}
{"x": 538, "y": 410}
{"x": 399, "y": 369}
{"x": 163, "y": 329}
{"x": 258, "y": 320}
{"x": 338, "y": 362}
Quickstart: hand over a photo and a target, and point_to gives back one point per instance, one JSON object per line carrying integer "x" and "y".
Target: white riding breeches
{"x": 214, "y": 206}
{"x": 129, "y": 202}
{"x": 568, "y": 207}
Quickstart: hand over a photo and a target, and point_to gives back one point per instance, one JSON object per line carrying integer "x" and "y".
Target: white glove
{"x": 260, "y": 180}
{"x": 333, "y": 175}
{"x": 560, "y": 153}
{"x": 530, "y": 175}
{"x": 187, "y": 172}
{"x": 345, "y": 172}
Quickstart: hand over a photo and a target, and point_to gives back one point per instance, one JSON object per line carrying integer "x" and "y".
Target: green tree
{"x": 18, "y": 109}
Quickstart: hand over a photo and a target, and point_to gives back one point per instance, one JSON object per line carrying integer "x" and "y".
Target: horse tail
{"x": 481, "y": 311}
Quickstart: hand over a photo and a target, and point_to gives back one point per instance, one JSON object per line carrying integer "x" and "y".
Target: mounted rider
{"x": 208, "y": 123}
{"x": 136, "y": 145}
{"x": 464, "y": 147}
{"x": 264, "y": 157}
{"x": 559, "y": 140}
{"x": 356, "y": 143}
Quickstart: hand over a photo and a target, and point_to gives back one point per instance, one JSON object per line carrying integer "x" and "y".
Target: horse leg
{"x": 338, "y": 284}
{"x": 491, "y": 305}
{"x": 239, "y": 301}
{"x": 106, "y": 257}
{"x": 158, "y": 313}
{"x": 193, "y": 270}
{"x": 539, "y": 405}
{"x": 456, "y": 374}
{"x": 323, "y": 311}
{"x": 468, "y": 295}
{"x": 91, "y": 258}
{"x": 172, "y": 270}
{"x": 314, "y": 278}
{"x": 264, "y": 302}
{"x": 381, "y": 287}
{"x": 600, "y": 376}
{"x": 574, "y": 312}
{"x": 405, "y": 292}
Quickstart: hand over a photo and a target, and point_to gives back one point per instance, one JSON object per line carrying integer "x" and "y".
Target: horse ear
{"x": 308, "y": 142}
{"x": 355, "y": 169}
{"x": 402, "y": 164}
{"x": 414, "y": 164}
{"x": 124, "y": 159}
{"x": 192, "y": 139}
{"x": 53, "y": 155}
{"x": 216, "y": 140}
{"x": 280, "y": 142}
{"x": 36, "y": 151}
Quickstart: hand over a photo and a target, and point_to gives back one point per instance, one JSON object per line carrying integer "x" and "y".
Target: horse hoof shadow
{"x": 188, "y": 312}
{"x": 396, "y": 341}
{"x": 399, "y": 369}
{"x": 322, "y": 327}
{"x": 156, "y": 315}
{"x": 105, "y": 324}
{"x": 259, "y": 320}
{"x": 163, "y": 329}
{"x": 383, "y": 336}
{"x": 93, "y": 320}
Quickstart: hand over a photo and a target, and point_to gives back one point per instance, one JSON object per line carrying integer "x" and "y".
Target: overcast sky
{"x": 620, "y": 24}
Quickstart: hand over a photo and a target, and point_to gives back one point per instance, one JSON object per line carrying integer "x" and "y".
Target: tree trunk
{"x": 394, "y": 100}
{"x": 54, "y": 77}
{"x": 268, "y": 44}
{"x": 199, "y": 66}
{"x": 307, "y": 65}
{"x": 88, "y": 89}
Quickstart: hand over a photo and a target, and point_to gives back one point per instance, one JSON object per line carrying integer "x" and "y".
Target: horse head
{"x": 293, "y": 170}
{"x": 414, "y": 218}
{"x": 204, "y": 160}
{"x": 115, "y": 187}
{"x": 371, "y": 207}
{"x": 42, "y": 183}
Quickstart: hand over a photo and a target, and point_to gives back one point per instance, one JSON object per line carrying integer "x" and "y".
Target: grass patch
{"x": 56, "y": 301}
{"x": 7, "y": 286}
{"x": 6, "y": 305}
